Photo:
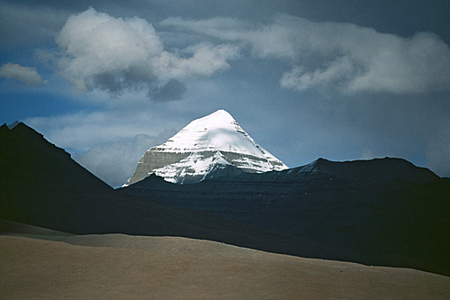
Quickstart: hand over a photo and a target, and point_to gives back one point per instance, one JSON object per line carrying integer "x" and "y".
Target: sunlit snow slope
{"x": 203, "y": 146}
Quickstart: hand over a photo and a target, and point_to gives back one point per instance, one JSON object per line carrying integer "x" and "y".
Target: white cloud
{"x": 83, "y": 130}
{"x": 343, "y": 56}
{"x": 114, "y": 54}
{"x": 108, "y": 143}
{"x": 115, "y": 162}
{"x": 205, "y": 60}
{"x": 337, "y": 74}
{"x": 26, "y": 75}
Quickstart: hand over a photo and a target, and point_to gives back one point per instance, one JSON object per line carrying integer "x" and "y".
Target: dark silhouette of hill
{"x": 379, "y": 212}
{"x": 42, "y": 186}
{"x": 387, "y": 210}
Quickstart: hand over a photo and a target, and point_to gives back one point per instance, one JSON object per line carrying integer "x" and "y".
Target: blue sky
{"x": 342, "y": 80}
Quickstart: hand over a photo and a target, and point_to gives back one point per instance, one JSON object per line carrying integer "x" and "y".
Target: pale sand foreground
{"x": 126, "y": 267}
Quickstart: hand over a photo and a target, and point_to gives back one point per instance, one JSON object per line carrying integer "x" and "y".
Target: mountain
{"x": 207, "y": 147}
{"x": 388, "y": 211}
{"x": 41, "y": 185}
{"x": 378, "y": 212}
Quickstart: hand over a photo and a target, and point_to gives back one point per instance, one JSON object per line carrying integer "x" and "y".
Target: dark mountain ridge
{"x": 374, "y": 170}
{"x": 388, "y": 210}
{"x": 42, "y": 186}
{"x": 381, "y": 212}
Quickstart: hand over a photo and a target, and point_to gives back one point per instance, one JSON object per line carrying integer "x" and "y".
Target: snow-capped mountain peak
{"x": 206, "y": 144}
{"x": 217, "y": 131}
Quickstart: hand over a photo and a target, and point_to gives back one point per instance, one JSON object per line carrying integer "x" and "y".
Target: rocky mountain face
{"x": 210, "y": 146}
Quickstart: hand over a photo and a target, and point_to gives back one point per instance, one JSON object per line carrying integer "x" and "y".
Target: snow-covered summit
{"x": 217, "y": 131}
{"x": 205, "y": 145}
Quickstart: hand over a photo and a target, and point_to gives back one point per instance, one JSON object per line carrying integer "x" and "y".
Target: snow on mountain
{"x": 213, "y": 142}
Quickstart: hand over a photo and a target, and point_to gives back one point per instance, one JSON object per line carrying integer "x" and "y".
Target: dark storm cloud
{"x": 25, "y": 25}
{"x": 400, "y": 16}
{"x": 116, "y": 83}
{"x": 172, "y": 90}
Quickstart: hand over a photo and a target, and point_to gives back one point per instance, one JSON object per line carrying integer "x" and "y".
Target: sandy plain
{"x": 118, "y": 266}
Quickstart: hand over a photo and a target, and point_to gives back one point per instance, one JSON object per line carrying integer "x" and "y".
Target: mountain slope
{"x": 387, "y": 210}
{"x": 338, "y": 211}
{"x": 41, "y": 185}
{"x": 214, "y": 142}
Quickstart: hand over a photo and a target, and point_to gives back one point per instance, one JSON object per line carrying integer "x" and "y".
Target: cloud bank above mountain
{"x": 117, "y": 54}
{"x": 338, "y": 56}
{"x": 306, "y": 79}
